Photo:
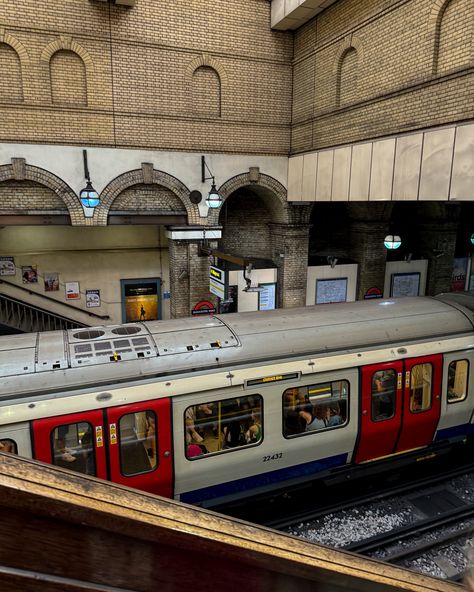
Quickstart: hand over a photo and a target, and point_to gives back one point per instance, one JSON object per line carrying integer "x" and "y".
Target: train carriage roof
{"x": 127, "y": 352}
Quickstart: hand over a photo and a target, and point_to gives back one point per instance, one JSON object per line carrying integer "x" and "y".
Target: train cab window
{"x": 458, "y": 373}
{"x": 138, "y": 442}
{"x": 73, "y": 447}
{"x": 421, "y": 387}
{"x": 315, "y": 408}
{"x": 7, "y": 445}
{"x": 222, "y": 426}
{"x": 384, "y": 394}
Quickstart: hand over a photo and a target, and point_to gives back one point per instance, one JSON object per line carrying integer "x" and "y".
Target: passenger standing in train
{"x": 314, "y": 420}
{"x": 151, "y": 434}
{"x": 254, "y": 433}
{"x": 191, "y": 433}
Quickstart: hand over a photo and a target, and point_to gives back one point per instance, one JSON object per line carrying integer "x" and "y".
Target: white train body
{"x": 129, "y": 403}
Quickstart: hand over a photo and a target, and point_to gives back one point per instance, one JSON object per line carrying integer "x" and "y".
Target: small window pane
{"x": 420, "y": 387}
{"x": 458, "y": 373}
{"x": 384, "y": 394}
{"x": 315, "y": 407}
{"x": 73, "y": 447}
{"x": 138, "y": 442}
{"x": 223, "y": 425}
{"x": 8, "y": 445}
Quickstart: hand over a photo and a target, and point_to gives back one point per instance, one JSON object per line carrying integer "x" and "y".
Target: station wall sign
{"x": 204, "y": 307}
{"x": 217, "y": 285}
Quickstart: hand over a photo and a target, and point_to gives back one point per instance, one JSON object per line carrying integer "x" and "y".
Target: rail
{"x": 53, "y": 300}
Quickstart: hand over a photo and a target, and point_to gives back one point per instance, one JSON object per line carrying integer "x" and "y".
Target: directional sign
{"x": 217, "y": 288}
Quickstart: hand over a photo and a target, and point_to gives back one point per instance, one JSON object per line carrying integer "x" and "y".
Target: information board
{"x": 331, "y": 290}
{"x": 405, "y": 284}
{"x": 266, "y": 297}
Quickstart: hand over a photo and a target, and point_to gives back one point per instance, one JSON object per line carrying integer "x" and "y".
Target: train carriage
{"x": 210, "y": 410}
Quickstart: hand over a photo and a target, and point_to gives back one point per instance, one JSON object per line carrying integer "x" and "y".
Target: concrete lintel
{"x": 291, "y": 14}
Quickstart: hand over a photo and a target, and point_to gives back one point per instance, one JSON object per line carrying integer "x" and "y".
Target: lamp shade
{"x": 214, "y": 200}
{"x": 472, "y": 238}
{"x": 89, "y": 196}
{"x": 392, "y": 241}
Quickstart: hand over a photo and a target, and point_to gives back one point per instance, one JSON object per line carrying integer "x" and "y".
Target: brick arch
{"x": 435, "y": 18}
{"x": 68, "y": 43}
{"x": 350, "y": 43}
{"x": 263, "y": 181}
{"x": 206, "y": 60}
{"x": 19, "y": 171}
{"x": 16, "y": 45}
{"x": 145, "y": 176}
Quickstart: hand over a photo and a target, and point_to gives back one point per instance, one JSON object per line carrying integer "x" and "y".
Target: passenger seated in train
{"x": 254, "y": 433}
{"x": 7, "y": 446}
{"x": 191, "y": 432}
{"x": 334, "y": 416}
{"x": 316, "y": 420}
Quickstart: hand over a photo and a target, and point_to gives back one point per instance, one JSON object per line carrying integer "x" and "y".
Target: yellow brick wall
{"x": 133, "y": 87}
{"x": 414, "y": 68}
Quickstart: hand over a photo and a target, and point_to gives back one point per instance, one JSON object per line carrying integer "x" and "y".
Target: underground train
{"x": 210, "y": 410}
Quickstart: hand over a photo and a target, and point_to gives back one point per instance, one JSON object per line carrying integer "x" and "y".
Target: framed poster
{"x": 29, "y": 274}
{"x": 7, "y": 266}
{"x": 266, "y": 297}
{"x": 458, "y": 277}
{"x": 141, "y": 299}
{"x": 72, "y": 291}
{"x": 405, "y": 284}
{"x": 331, "y": 290}
{"x": 51, "y": 282}
{"x": 92, "y": 298}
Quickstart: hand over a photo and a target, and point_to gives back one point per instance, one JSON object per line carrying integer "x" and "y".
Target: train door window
{"x": 7, "y": 445}
{"x": 223, "y": 425}
{"x": 73, "y": 447}
{"x": 458, "y": 373}
{"x": 384, "y": 394}
{"x": 315, "y": 407}
{"x": 138, "y": 442}
{"x": 421, "y": 387}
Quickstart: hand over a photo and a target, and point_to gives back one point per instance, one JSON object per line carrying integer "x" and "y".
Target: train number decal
{"x": 275, "y": 456}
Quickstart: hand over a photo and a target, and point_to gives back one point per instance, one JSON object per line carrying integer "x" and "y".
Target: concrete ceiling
{"x": 291, "y": 14}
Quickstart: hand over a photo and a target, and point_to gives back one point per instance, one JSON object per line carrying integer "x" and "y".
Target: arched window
{"x": 206, "y": 92}
{"x": 454, "y": 35}
{"x": 68, "y": 78}
{"x": 347, "y": 78}
{"x": 11, "y": 88}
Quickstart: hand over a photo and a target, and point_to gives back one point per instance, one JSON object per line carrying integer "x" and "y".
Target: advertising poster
{"x": 92, "y": 298}
{"x": 7, "y": 266}
{"x": 51, "y": 282}
{"x": 141, "y": 302}
{"x": 458, "y": 278}
{"x": 72, "y": 291}
{"x": 29, "y": 274}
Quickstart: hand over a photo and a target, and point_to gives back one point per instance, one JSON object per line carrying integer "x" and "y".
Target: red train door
{"x": 381, "y": 410}
{"x": 75, "y": 441}
{"x": 400, "y": 406}
{"x": 130, "y": 444}
{"x": 140, "y": 446}
{"x": 421, "y": 402}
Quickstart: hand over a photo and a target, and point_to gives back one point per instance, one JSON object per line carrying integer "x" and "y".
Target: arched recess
{"x": 206, "y": 92}
{"x": 451, "y": 26}
{"x": 139, "y": 177}
{"x": 25, "y": 172}
{"x": 206, "y": 70}
{"x": 13, "y": 60}
{"x": 72, "y": 70}
{"x": 346, "y": 69}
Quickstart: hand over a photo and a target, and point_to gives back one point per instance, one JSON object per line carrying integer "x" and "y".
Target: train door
{"x": 381, "y": 410}
{"x": 421, "y": 402}
{"x": 130, "y": 444}
{"x": 400, "y": 406}
{"x": 139, "y": 444}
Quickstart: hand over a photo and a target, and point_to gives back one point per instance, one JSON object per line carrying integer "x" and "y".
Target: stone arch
{"x": 351, "y": 46}
{"x": 146, "y": 175}
{"x": 68, "y": 78}
{"x": 206, "y": 92}
{"x": 205, "y": 60}
{"x": 255, "y": 180}
{"x": 18, "y": 170}
{"x": 17, "y": 46}
{"x": 435, "y": 25}
{"x": 19, "y": 53}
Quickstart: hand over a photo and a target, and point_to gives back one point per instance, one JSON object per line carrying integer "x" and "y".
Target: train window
{"x": 421, "y": 387}
{"x": 73, "y": 447}
{"x": 384, "y": 394}
{"x": 7, "y": 445}
{"x": 223, "y": 425}
{"x": 138, "y": 442}
{"x": 315, "y": 407}
{"x": 458, "y": 373}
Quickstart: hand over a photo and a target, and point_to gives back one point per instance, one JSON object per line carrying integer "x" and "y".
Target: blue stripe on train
{"x": 455, "y": 433}
{"x": 262, "y": 480}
